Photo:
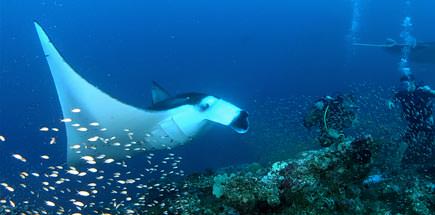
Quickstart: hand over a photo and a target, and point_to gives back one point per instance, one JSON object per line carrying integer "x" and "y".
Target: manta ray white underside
{"x": 106, "y": 126}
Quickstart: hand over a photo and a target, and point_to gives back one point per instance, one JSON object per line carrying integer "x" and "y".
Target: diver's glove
{"x": 334, "y": 133}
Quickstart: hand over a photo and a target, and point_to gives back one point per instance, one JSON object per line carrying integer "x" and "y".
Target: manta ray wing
{"x": 121, "y": 125}
{"x": 422, "y": 52}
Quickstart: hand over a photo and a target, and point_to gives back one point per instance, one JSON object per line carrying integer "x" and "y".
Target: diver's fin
{"x": 96, "y": 106}
{"x": 158, "y": 93}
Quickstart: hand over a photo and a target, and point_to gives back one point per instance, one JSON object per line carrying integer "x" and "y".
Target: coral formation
{"x": 335, "y": 180}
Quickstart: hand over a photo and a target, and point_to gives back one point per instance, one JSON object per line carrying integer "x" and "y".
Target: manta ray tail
{"x": 373, "y": 45}
{"x": 96, "y": 108}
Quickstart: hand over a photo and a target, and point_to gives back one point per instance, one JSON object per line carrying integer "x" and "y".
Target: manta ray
{"x": 421, "y": 52}
{"x": 100, "y": 125}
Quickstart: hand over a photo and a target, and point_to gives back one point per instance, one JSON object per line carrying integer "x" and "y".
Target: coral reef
{"x": 335, "y": 180}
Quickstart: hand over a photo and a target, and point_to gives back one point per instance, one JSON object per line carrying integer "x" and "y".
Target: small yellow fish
{"x": 83, "y": 193}
{"x": 50, "y": 203}
{"x": 44, "y": 129}
{"x": 75, "y": 110}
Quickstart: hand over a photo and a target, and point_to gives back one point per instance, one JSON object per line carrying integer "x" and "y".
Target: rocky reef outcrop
{"x": 335, "y": 180}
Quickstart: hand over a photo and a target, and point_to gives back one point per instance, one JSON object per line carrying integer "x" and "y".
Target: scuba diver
{"x": 332, "y": 115}
{"x": 416, "y": 103}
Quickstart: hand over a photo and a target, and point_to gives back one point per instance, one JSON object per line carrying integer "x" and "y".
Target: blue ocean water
{"x": 252, "y": 53}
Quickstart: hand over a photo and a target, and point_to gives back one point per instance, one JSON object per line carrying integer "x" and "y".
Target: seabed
{"x": 335, "y": 180}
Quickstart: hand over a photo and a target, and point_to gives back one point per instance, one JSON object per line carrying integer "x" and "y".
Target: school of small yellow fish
{"x": 102, "y": 186}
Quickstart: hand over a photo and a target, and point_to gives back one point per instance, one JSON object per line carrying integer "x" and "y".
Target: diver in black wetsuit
{"x": 416, "y": 103}
{"x": 332, "y": 115}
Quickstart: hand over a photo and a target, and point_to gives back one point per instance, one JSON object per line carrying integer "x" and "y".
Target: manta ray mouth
{"x": 240, "y": 124}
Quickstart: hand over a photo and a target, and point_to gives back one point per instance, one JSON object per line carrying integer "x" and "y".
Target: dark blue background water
{"x": 239, "y": 50}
